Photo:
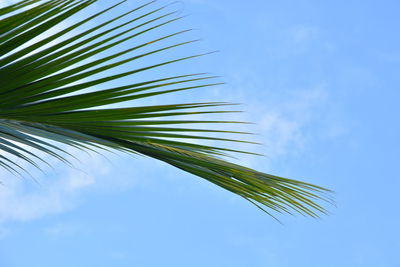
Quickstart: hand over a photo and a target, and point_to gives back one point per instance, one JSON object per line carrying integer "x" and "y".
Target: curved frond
{"x": 49, "y": 94}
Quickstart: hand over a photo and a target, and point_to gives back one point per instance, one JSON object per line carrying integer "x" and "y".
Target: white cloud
{"x": 22, "y": 199}
{"x": 283, "y": 117}
{"x": 283, "y": 126}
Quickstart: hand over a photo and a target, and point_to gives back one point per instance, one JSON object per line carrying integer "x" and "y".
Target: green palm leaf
{"x": 48, "y": 96}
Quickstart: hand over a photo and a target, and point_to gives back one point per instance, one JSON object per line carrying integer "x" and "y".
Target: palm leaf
{"x": 49, "y": 95}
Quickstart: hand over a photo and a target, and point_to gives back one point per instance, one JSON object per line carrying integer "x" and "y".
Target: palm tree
{"x": 49, "y": 97}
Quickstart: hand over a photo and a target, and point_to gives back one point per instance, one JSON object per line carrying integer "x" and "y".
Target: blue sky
{"x": 320, "y": 79}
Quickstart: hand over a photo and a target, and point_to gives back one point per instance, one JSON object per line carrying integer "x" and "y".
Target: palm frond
{"x": 49, "y": 95}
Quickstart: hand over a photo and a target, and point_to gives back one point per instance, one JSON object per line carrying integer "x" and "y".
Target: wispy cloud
{"x": 284, "y": 125}
{"x": 283, "y": 117}
{"x": 64, "y": 187}
{"x": 23, "y": 199}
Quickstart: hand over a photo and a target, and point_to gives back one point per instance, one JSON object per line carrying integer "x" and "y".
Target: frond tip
{"x": 50, "y": 93}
